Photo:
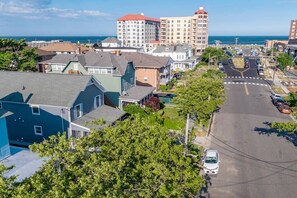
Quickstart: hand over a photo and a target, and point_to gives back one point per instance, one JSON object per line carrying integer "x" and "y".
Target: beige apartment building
{"x": 191, "y": 30}
{"x": 137, "y": 30}
{"x": 293, "y": 30}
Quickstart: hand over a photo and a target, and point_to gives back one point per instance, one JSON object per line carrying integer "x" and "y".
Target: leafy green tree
{"x": 213, "y": 53}
{"x": 7, "y": 185}
{"x": 200, "y": 96}
{"x": 134, "y": 159}
{"x": 284, "y": 60}
{"x": 215, "y": 74}
{"x": 15, "y": 56}
{"x": 293, "y": 99}
{"x": 289, "y": 127}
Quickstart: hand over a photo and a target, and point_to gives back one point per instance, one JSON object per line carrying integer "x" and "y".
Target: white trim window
{"x": 78, "y": 111}
{"x": 37, "y": 130}
{"x": 35, "y": 110}
{"x": 58, "y": 67}
{"x": 1, "y": 105}
{"x": 97, "y": 101}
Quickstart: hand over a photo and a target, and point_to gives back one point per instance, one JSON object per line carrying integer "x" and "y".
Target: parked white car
{"x": 211, "y": 162}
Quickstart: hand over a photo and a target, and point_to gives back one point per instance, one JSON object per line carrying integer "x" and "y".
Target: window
{"x": 38, "y": 130}
{"x": 76, "y": 134}
{"x": 0, "y": 105}
{"x": 75, "y": 66}
{"x": 35, "y": 110}
{"x": 97, "y": 101}
{"x": 78, "y": 111}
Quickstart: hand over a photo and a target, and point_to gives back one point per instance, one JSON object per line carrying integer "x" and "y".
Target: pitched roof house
{"x": 151, "y": 70}
{"x": 45, "y": 104}
{"x": 65, "y": 48}
{"x": 115, "y": 73}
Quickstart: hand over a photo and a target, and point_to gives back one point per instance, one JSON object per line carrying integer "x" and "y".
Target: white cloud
{"x": 36, "y": 9}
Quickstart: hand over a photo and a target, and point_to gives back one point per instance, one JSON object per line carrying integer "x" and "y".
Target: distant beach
{"x": 242, "y": 40}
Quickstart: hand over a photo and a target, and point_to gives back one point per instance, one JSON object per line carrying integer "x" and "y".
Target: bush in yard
{"x": 153, "y": 103}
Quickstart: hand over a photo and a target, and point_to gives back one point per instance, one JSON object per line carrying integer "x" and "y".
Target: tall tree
{"x": 134, "y": 159}
{"x": 213, "y": 53}
{"x": 288, "y": 127}
{"x": 284, "y": 60}
{"x": 200, "y": 96}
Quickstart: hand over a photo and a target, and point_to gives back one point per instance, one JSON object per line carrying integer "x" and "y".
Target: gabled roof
{"x": 110, "y": 40}
{"x": 172, "y": 48}
{"x": 146, "y": 60}
{"x": 137, "y": 17}
{"x": 63, "y": 58}
{"x": 105, "y": 59}
{"x": 41, "y": 52}
{"x": 64, "y": 47}
{"x": 44, "y": 89}
{"x": 109, "y": 114}
{"x": 137, "y": 93}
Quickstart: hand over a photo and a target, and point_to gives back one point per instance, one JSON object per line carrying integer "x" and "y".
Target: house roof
{"x": 41, "y": 52}
{"x": 137, "y": 93}
{"x": 63, "y": 58}
{"x": 137, "y": 17}
{"x": 110, "y": 40}
{"x": 4, "y": 113}
{"x": 146, "y": 60}
{"x": 25, "y": 164}
{"x": 105, "y": 59}
{"x": 172, "y": 48}
{"x": 109, "y": 114}
{"x": 63, "y": 47}
{"x": 40, "y": 88}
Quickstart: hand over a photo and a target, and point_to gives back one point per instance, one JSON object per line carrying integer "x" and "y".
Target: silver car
{"x": 211, "y": 162}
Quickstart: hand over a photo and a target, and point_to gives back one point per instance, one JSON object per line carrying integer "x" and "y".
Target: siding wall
{"x": 86, "y": 98}
{"x": 4, "y": 145}
{"x": 21, "y": 123}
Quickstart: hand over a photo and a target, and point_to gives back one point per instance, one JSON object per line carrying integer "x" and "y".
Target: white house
{"x": 111, "y": 42}
{"x": 182, "y": 56}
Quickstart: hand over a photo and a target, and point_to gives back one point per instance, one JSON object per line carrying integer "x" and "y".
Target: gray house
{"x": 45, "y": 104}
{"x": 113, "y": 71}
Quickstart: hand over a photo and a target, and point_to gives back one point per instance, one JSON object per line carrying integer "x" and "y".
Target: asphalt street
{"x": 255, "y": 160}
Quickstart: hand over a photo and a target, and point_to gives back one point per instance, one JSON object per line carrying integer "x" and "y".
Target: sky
{"x": 98, "y": 17}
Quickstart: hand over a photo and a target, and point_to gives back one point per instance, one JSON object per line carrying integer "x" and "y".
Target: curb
{"x": 212, "y": 118}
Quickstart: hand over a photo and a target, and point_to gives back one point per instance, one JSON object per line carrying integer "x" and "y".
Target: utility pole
{"x": 187, "y": 129}
{"x": 236, "y": 41}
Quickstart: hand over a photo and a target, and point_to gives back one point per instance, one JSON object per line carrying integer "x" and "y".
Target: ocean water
{"x": 242, "y": 40}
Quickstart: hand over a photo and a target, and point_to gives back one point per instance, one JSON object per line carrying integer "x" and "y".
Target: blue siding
{"x": 128, "y": 80}
{"x": 86, "y": 98}
{"x": 4, "y": 145}
{"x": 21, "y": 123}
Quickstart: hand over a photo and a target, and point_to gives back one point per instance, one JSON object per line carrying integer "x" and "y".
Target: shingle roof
{"x": 110, "y": 40}
{"x": 146, "y": 60}
{"x": 63, "y": 58}
{"x": 172, "y": 48}
{"x": 39, "y": 88}
{"x": 63, "y": 47}
{"x": 137, "y": 93}
{"x": 109, "y": 114}
{"x": 137, "y": 17}
{"x": 105, "y": 59}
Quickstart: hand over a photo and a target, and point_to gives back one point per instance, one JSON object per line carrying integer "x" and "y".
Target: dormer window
{"x": 35, "y": 110}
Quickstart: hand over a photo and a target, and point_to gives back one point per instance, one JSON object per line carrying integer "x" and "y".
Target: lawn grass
{"x": 172, "y": 120}
{"x": 277, "y": 89}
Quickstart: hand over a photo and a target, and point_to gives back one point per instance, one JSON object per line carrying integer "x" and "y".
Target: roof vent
{"x": 23, "y": 88}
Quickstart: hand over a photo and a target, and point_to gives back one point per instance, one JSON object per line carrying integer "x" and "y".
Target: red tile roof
{"x": 201, "y": 11}
{"x": 135, "y": 17}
